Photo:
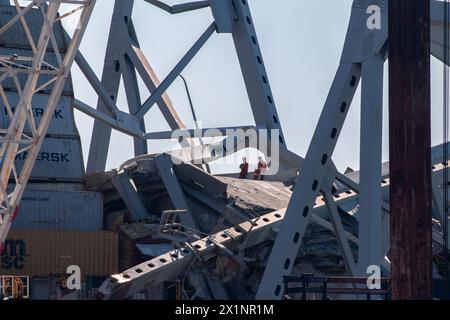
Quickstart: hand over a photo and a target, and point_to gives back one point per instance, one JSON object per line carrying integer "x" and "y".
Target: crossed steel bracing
{"x": 364, "y": 54}
{"x": 363, "y": 58}
{"x": 37, "y": 74}
{"x": 125, "y": 59}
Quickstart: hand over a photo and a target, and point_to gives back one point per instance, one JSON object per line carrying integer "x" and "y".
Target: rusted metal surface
{"x": 410, "y": 192}
{"x": 40, "y": 252}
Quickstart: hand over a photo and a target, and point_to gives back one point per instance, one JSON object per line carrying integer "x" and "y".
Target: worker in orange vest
{"x": 244, "y": 169}
{"x": 260, "y": 170}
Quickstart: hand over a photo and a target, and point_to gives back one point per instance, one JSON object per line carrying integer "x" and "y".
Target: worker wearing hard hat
{"x": 260, "y": 170}
{"x": 244, "y": 169}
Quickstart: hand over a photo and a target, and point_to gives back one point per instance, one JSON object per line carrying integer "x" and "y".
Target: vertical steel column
{"x": 370, "y": 231}
{"x": 410, "y": 149}
{"x": 134, "y": 100}
{"x": 101, "y": 134}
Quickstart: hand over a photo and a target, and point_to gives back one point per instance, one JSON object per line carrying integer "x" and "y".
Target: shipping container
{"x": 60, "y": 210}
{"x": 50, "y": 58}
{"x": 55, "y": 186}
{"x": 58, "y": 160}
{"x": 62, "y": 124}
{"x": 15, "y": 36}
{"x": 42, "y": 252}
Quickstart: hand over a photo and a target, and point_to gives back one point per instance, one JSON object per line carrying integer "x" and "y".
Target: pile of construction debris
{"x": 213, "y": 204}
{"x": 140, "y": 205}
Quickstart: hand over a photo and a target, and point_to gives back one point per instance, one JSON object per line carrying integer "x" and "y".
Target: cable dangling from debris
{"x": 446, "y": 138}
{"x": 194, "y": 116}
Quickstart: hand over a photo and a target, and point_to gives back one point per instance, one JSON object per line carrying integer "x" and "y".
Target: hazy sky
{"x": 301, "y": 41}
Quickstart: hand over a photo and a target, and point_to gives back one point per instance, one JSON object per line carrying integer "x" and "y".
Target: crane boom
{"x": 35, "y": 67}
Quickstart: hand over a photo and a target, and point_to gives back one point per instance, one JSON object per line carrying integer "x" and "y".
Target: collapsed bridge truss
{"x": 363, "y": 57}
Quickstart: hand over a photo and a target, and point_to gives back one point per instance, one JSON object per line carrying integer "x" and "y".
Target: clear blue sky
{"x": 301, "y": 42}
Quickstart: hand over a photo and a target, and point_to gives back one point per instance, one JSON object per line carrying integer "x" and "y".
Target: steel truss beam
{"x": 174, "y": 263}
{"x": 122, "y": 183}
{"x": 13, "y": 140}
{"x": 180, "y": 8}
{"x": 356, "y": 61}
{"x": 170, "y": 180}
{"x": 363, "y": 55}
{"x": 125, "y": 59}
{"x": 324, "y": 213}
{"x": 165, "y": 167}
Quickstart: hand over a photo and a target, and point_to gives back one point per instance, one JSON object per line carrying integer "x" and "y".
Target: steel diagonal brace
{"x": 25, "y": 27}
{"x": 338, "y": 226}
{"x": 312, "y": 175}
{"x": 121, "y": 121}
{"x": 355, "y": 187}
{"x": 110, "y": 81}
{"x": 234, "y": 17}
{"x": 134, "y": 60}
{"x": 93, "y": 79}
{"x": 152, "y": 81}
{"x": 128, "y": 192}
{"x": 115, "y": 118}
{"x": 179, "y": 8}
{"x": 167, "y": 82}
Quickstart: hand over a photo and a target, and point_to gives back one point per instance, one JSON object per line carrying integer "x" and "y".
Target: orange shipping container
{"x": 40, "y": 252}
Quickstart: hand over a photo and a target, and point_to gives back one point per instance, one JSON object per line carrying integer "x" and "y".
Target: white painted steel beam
{"x": 369, "y": 252}
{"x": 11, "y": 145}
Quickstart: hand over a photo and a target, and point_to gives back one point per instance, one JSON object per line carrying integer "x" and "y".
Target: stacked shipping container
{"x": 60, "y": 210}
{"x": 57, "y": 220}
{"x": 41, "y": 252}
